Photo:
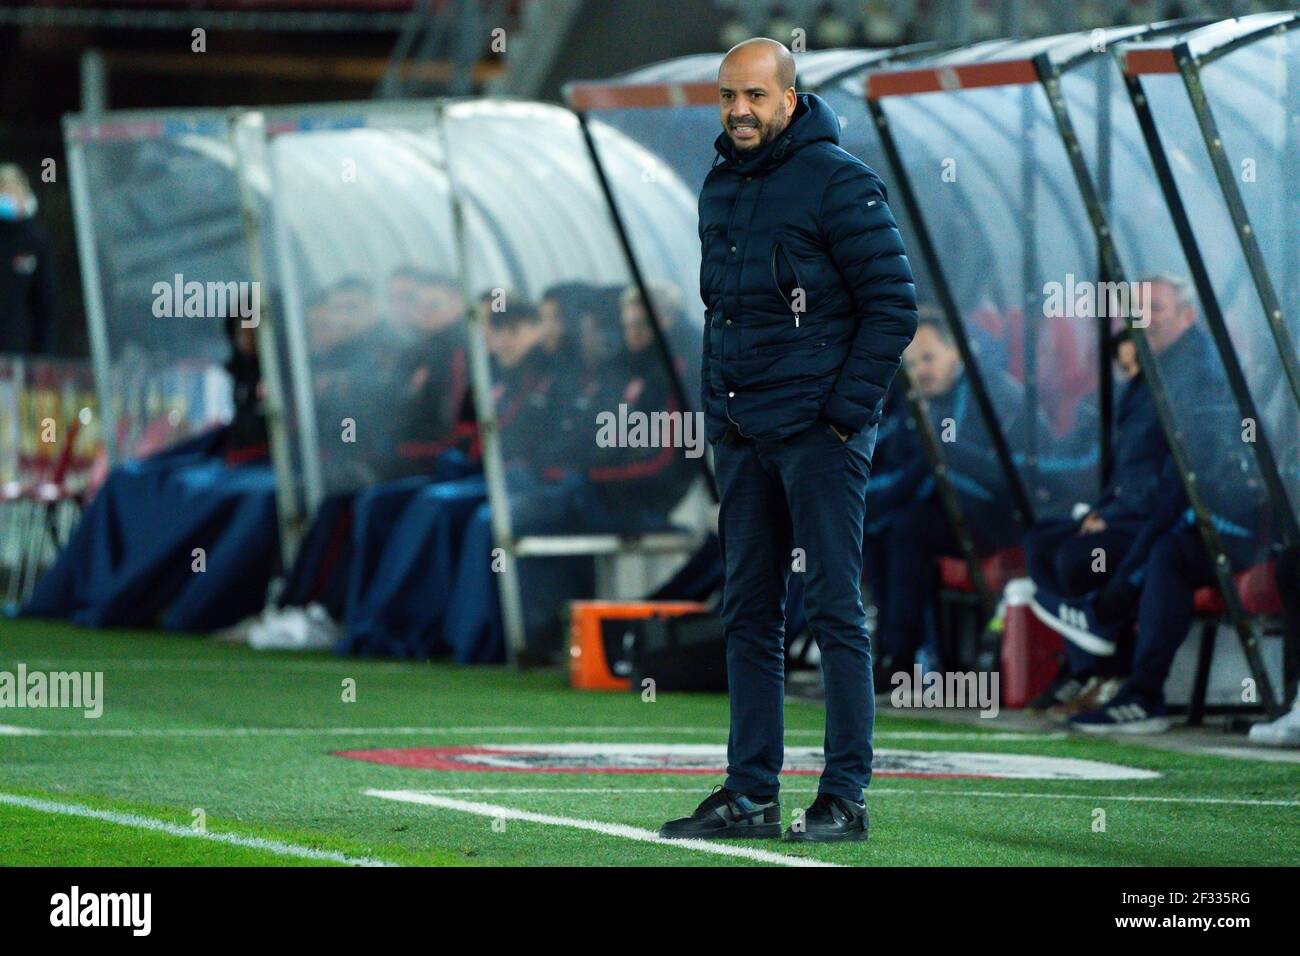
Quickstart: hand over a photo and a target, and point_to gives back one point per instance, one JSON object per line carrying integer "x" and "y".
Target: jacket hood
{"x": 813, "y": 122}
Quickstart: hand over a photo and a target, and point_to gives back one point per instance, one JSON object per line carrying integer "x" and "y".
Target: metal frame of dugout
{"x": 1204, "y": 106}
{"x": 1006, "y": 280}
{"x": 1221, "y": 86}
{"x": 1137, "y": 235}
{"x": 662, "y": 103}
{"x": 1085, "y": 61}
{"x": 1226, "y": 282}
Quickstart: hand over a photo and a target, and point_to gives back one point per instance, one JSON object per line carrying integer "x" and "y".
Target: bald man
{"x": 809, "y": 306}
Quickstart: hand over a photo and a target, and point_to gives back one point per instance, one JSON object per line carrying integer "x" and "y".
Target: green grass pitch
{"x": 194, "y": 731}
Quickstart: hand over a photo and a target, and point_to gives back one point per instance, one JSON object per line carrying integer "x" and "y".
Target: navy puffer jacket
{"x": 808, "y": 293}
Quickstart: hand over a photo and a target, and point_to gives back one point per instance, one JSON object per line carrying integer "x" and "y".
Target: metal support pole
{"x": 638, "y": 279}
{"x": 512, "y": 610}
{"x": 1022, "y": 509}
{"x": 247, "y": 135}
{"x": 1222, "y": 568}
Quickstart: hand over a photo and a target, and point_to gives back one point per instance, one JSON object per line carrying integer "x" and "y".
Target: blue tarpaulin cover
{"x": 131, "y": 560}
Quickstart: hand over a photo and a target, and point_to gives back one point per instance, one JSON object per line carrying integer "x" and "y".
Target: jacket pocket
{"x": 788, "y": 285}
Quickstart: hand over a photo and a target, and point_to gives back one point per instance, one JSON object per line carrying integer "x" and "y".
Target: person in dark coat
{"x": 523, "y": 395}
{"x": 432, "y": 373}
{"x": 246, "y": 436}
{"x": 905, "y": 512}
{"x": 1155, "y": 580}
{"x": 809, "y": 304}
{"x": 682, "y": 340}
{"x": 1142, "y": 499}
{"x": 353, "y": 378}
{"x": 1061, "y": 553}
{"x": 28, "y": 289}
{"x": 637, "y": 485}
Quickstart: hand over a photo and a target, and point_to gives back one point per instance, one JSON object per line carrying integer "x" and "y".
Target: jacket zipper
{"x": 777, "y": 247}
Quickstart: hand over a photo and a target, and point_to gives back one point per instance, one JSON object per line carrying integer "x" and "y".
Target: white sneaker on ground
{"x": 1283, "y": 732}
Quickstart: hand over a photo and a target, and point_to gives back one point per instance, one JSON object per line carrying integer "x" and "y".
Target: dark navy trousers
{"x": 788, "y": 504}
{"x": 1178, "y": 565}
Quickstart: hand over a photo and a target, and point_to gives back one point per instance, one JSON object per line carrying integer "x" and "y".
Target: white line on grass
{"x": 595, "y": 826}
{"x": 12, "y": 730}
{"x": 176, "y": 830}
{"x": 266, "y": 666}
{"x": 874, "y": 791}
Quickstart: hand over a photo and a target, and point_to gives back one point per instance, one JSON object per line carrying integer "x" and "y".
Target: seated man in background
{"x": 908, "y": 510}
{"x": 580, "y": 362}
{"x": 638, "y": 483}
{"x": 353, "y": 378}
{"x": 522, "y": 387}
{"x": 433, "y": 369}
{"x": 1153, "y": 568}
{"x": 531, "y": 404}
{"x": 1070, "y": 557}
{"x": 246, "y": 438}
{"x": 683, "y": 342}
{"x": 560, "y": 312}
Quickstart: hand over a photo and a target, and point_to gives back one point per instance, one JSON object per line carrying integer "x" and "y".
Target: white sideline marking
{"x": 945, "y": 735}
{"x": 10, "y": 729}
{"x": 883, "y": 791}
{"x": 176, "y": 830}
{"x": 188, "y": 664}
{"x": 608, "y": 829}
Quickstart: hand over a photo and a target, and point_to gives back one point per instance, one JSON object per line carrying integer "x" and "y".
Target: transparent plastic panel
{"x": 1207, "y": 421}
{"x": 1253, "y": 343}
{"x": 655, "y": 161}
{"x": 373, "y": 312}
{"x": 1254, "y": 93}
{"x": 591, "y": 432}
{"x": 169, "y": 270}
{"x": 986, "y": 504}
{"x": 993, "y": 182}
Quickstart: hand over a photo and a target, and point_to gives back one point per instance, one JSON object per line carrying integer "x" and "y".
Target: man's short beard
{"x": 766, "y": 134}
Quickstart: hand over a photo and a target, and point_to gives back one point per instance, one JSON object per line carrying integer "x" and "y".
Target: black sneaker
{"x": 724, "y": 815}
{"x": 831, "y": 819}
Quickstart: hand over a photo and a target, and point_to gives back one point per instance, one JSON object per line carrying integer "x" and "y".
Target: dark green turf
{"x": 35, "y": 838}
{"x": 290, "y": 788}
